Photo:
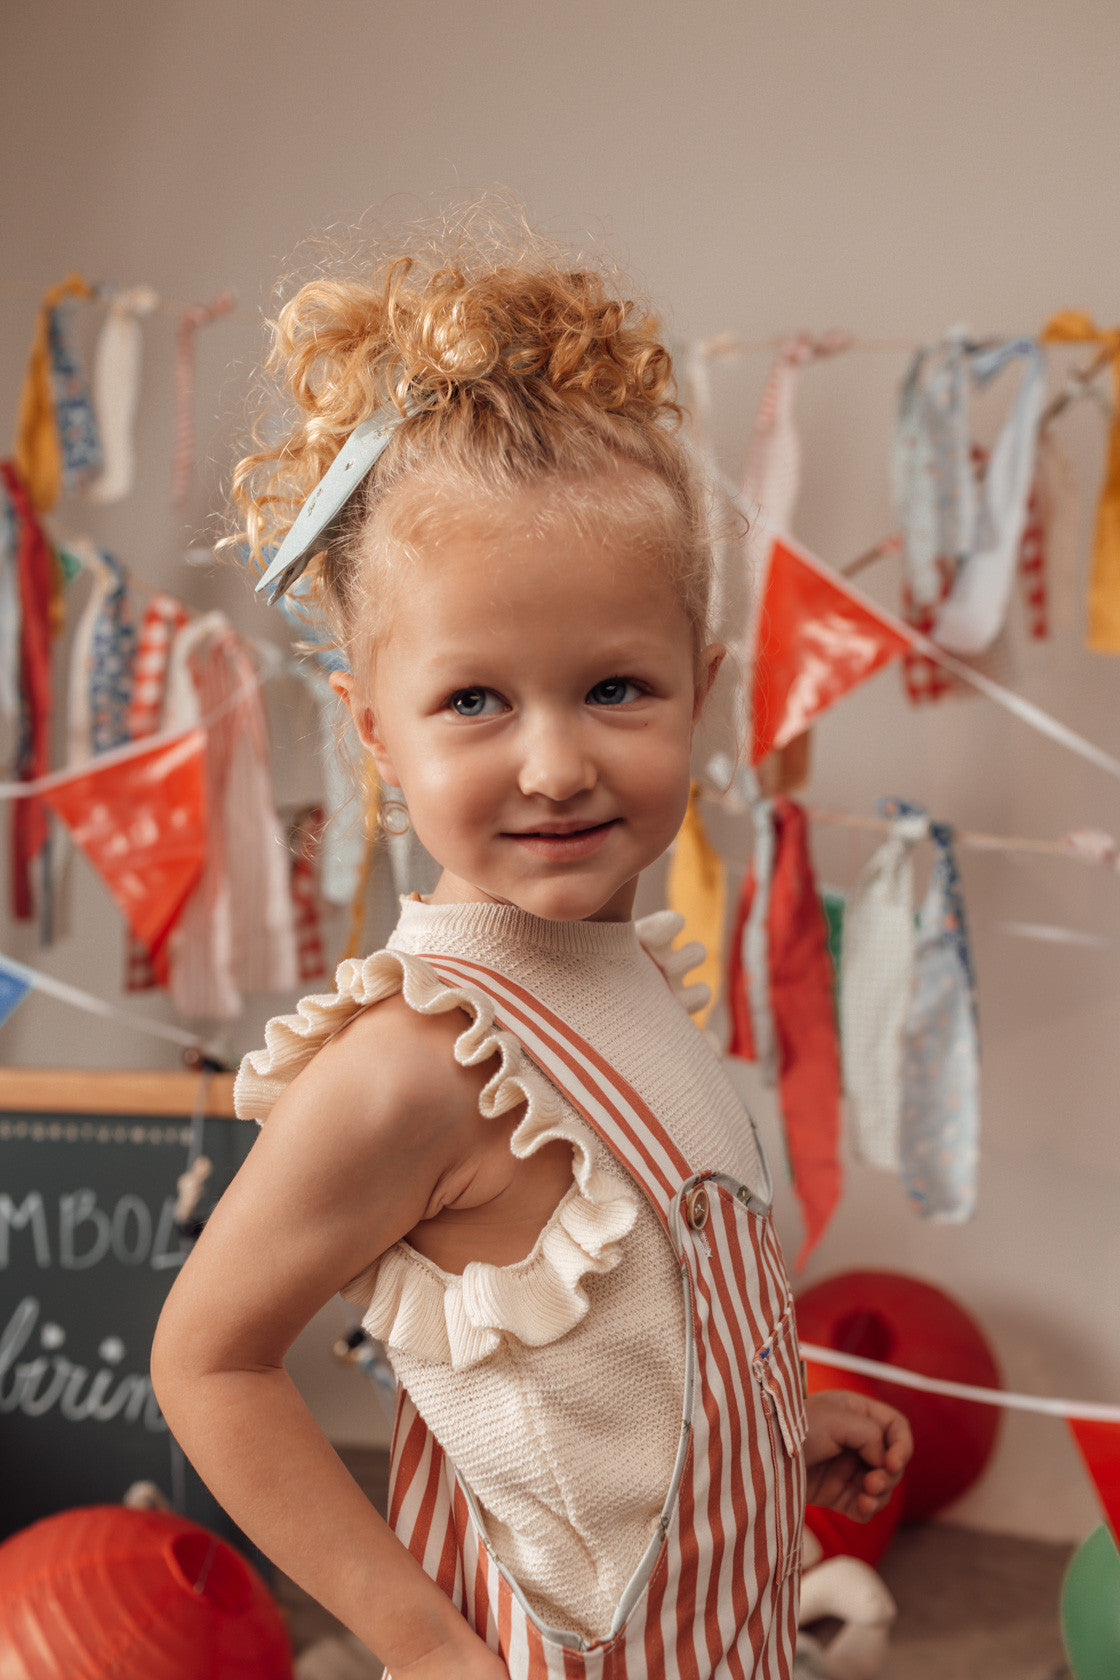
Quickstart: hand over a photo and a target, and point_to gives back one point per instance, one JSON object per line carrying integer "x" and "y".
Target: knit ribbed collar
{"x": 450, "y": 928}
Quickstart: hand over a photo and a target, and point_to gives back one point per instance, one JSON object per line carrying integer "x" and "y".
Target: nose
{"x": 555, "y": 763}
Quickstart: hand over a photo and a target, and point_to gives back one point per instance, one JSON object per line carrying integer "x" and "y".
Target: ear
{"x": 708, "y": 666}
{"x": 365, "y": 723}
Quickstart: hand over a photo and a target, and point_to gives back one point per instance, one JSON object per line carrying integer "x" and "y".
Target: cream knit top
{"x": 554, "y": 1385}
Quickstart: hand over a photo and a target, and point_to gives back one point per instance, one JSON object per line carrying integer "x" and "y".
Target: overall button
{"x": 697, "y": 1207}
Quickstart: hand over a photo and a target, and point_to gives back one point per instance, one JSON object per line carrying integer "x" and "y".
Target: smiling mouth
{"x": 565, "y": 831}
{"x": 564, "y": 842}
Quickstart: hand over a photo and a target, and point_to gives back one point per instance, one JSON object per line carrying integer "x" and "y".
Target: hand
{"x": 855, "y": 1452}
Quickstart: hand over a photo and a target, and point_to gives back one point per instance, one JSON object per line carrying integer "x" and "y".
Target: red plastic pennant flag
{"x": 141, "y": 820}
{"x": 817, "y": 638}
{"x": 1099, "y": 1444}
{"x": 801, "y": 1005}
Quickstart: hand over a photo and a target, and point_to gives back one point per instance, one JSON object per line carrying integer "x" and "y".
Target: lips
{"x": 558, "y": 841}
{"x": 561, "y": 831}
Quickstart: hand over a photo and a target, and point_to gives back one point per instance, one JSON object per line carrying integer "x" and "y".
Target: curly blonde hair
{"x": 511, "y": 369}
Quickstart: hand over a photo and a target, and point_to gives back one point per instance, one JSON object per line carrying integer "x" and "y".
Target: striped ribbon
{"x": 196, "y": 316}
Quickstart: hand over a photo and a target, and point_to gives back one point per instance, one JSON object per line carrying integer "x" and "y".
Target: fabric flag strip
{"x": 940, "y": 1122}
{"x": 304, "y": 841}
{"x": 113, "y": 648}
{"x": 163, "y": 618}
{"x": 236, "y": 930}
{"x": 140, "y": 817}
{"x": 697, "y": 891}
{"x": 78, "y": 438}
{"x": 38, "y": 451}
{"x": 33, "y": 563}
{"x": 116, "y": 389}
{"x": 772, "y": 469}
{"x": 815, "y": 640}
{"x": 1072, "y": 326}
{"x": 748, "y": 981}
{"x": 876, "y": 970}
{"x": 976, "y": 608}
{"x": 801, "y": 1003}
{"x": 9, "y": 610}
{"x": 198, "y": 315}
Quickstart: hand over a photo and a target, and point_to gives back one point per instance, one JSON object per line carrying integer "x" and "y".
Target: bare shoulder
{"x": 393, "y": 1065}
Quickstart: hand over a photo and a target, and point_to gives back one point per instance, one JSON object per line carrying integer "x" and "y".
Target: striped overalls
{"x": 715, "y": 1595}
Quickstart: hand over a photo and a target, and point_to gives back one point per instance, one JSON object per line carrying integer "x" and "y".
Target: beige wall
{"x": 759, "y": 167}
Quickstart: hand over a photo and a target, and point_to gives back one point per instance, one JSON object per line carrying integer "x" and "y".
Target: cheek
{"x": 658, "y": 774}
{"x": 446, "y": 790}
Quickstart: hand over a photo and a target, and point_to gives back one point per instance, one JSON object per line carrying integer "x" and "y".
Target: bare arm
{"x": 349, "y": 1161}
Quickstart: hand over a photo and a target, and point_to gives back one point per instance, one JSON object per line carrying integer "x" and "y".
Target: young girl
{"x": 502, "y": 1138}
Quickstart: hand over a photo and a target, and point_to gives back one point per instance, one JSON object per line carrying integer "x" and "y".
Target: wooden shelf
{"x": 108, "y": 1091}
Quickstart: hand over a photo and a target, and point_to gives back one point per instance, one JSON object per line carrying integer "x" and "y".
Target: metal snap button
{"x": 697, "y": 1207}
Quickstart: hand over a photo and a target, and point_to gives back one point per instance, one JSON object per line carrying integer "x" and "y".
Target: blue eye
{"x": 613, "y": 691}
{"x": 475, "y": 702}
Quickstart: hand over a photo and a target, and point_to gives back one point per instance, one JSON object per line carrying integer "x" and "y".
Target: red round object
{"x": 900, "y": 1320}
{"x": 842, "y": 1536}
{"x": 140, "y": 1595}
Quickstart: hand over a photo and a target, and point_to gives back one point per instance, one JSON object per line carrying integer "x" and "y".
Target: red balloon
{"x": 899, "y": 1320}
{"x": 141, "y": 1595}
{"x": 842, "y": 1536}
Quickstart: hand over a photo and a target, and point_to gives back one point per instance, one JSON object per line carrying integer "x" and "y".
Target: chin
{"x": 560, "y": 903}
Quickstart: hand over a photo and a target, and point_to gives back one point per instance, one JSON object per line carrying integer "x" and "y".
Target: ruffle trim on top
{"x": 656, "y": 934}
{"x": 407, "y": 1301}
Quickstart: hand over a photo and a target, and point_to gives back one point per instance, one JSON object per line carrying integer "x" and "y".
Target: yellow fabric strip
{"x": 1073, "y": 326}
{"x": 697, "y": 891}
{"x": 37, "y": 451}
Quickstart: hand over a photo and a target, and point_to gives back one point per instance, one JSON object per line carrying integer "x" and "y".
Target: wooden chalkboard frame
{"x": 112, "y": 1091}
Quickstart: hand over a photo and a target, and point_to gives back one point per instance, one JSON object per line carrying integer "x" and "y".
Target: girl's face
{"x": 535, "y": 699}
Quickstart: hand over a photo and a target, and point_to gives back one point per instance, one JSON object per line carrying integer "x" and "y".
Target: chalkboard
{"x": 88, "y": 1251}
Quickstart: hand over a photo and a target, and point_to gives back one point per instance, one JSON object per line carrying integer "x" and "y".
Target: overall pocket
{"x": 777, "y": 1374}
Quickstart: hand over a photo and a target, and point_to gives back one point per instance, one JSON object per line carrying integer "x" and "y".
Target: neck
{"x": 452, "y": 889}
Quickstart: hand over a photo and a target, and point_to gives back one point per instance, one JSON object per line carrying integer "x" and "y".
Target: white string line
{"x": 962, "y": 837}
{"x": 47, "y": 983}
{"x": 164, "y": 741}
{"x": 1087, "y": 1411}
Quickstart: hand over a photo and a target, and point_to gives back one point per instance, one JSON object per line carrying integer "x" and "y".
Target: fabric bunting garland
{"x": 140, "y": 818}
{"x": 786, "y": 976}
{"x": 816, "y": 639}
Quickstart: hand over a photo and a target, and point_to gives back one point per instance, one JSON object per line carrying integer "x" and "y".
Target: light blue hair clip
{"x": 366, "y": 443}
